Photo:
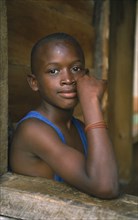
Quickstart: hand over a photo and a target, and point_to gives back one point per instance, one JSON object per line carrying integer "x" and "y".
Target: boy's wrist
{"x": 90, "y": 102}
{"x": 92, "y": 111}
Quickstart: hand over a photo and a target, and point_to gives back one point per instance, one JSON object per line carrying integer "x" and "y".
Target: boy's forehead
{"x": 52, "y": 45}
{"x": 56, "y": 49}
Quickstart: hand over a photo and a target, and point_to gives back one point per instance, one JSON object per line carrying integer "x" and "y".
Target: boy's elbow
{"x": 106, "y": 192}
{"x": 110, "y": 192}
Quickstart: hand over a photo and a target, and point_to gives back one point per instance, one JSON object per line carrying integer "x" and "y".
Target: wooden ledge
{"x": 39, "y": 199}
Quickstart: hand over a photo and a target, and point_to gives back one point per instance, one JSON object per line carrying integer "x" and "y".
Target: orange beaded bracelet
{"x": 100, "y": 124}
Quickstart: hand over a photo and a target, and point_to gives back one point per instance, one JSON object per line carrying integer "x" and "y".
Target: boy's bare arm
{"x": 100, "y": 164}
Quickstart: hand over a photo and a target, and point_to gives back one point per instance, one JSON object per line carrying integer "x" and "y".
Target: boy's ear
{"x": 31, "y": 78}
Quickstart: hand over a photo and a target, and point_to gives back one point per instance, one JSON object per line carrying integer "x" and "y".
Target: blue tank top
{"x": 35, "y": 114}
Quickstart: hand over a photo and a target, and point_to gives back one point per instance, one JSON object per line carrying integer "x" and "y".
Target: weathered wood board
{"x": 38, "y": 198}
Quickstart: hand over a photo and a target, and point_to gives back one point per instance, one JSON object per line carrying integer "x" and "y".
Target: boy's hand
{"x": 89, "y": 87}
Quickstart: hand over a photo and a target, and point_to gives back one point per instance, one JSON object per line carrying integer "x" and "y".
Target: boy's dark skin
{"x": 61, "y": 80}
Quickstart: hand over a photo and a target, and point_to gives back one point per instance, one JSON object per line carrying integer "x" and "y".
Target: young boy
{"x": 49, "y": 142}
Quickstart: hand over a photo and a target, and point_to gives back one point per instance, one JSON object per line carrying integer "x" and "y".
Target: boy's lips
{"x": 68, "y": 93}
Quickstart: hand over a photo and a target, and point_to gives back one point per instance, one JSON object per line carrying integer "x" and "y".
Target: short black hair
{"x": 54, "y": 37}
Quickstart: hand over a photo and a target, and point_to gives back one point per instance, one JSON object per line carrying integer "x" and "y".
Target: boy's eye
{"x": 53, "y": 71}
{"x": 76, "y": 69}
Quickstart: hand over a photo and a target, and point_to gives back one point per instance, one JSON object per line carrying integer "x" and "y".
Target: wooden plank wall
{"x": 29, "y": 20}
{"x": 121, "y": 62}
{"x": 3, "y": 88}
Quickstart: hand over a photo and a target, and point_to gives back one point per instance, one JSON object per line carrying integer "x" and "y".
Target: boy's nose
{"x": 68, "y": 78}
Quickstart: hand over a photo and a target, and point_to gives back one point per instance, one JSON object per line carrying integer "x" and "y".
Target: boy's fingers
{"x": 87, "y": 71}
{"x": 104, "y": 80}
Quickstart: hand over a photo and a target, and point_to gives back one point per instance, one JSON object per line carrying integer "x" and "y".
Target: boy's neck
{"x": 61, "y": 117}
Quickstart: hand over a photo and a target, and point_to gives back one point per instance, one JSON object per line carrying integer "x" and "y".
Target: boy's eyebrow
{"x": 56, "y": 63}
{"x": 51, "y": 64}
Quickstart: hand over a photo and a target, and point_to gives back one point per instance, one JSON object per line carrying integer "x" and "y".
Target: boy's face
{"x": 58, "y": 66}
